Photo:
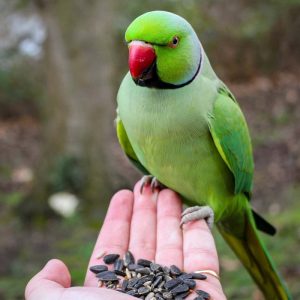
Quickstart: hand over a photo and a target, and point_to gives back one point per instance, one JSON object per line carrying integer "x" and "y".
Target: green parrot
{"x": 178, "y": 122}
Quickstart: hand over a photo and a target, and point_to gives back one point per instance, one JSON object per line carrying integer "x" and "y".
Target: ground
{"x": 272, "y": 108}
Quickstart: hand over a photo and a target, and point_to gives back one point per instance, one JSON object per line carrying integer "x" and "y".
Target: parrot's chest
{"x": 169, "y": 133}
{"x": 168, "y": 141}
{"x": 173, "y": 143}
{"x": 181, "y": 157}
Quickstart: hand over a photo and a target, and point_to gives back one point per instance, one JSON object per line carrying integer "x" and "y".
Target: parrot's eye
{"x": 174, "y": 43}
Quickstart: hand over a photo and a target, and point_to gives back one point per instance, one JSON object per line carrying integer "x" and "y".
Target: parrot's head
{"x": 164, "y": 50}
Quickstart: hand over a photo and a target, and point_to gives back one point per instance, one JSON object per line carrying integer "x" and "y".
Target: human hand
{"x": 148, "y": 225}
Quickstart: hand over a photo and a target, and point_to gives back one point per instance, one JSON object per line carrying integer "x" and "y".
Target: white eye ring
{"x": 174, "y": 43}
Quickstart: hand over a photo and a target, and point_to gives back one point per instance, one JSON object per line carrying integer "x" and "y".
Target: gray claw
{"x": 145, "y": 181}
{"x": 154, "y": 183}
{"x": 198, "y": 213}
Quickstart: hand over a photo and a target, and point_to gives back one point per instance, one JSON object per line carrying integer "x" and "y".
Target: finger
{"x": 199, "y": 247}
{"x": 199, "y": 252}
{"x": 50, "y": 282}
{"x": 143, "y": 224}
{"x": 114, "y": 234}
{"x": 169, "y": 248}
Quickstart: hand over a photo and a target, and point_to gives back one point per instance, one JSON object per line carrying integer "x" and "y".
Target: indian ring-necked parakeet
{"x": 178, "y": 122}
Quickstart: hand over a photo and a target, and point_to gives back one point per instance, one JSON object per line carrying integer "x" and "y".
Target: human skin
{"x": 147, "y": 224}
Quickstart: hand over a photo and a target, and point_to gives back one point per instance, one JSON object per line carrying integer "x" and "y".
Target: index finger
{"x": 114, "y": 234}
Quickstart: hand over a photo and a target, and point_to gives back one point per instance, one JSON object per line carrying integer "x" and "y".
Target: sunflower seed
{"x": 183, "y": 295}
{"x": 190, "y": 282}
{"x": 132, "y": 282}
{"x": 157, "y": 281}
{"x": 124, "y": 284}
{"x": 128, "y": 274}
{"x": 143, "y": 290}
{"x": 147, "y": 280}
{"x": 174, "y": 270}
{"x": 148, "y": 283}
{"x": 133, "y": 267}
{"x": 180, "y": 289}
{"x": 155, "y": 267}
{"x": 107, "y": 276}
{"x": 166, "y": 270}
{"x": 128, "y": 258}
{"x": 111, "y": 286}
{"x": 172, "y": 283}
{"x": 203, "y": 294}
{"x": 110, "y": 258}
{"x": 131, "y": 292}
{"x": 198, "y": 276}
{"x": 144, "y": 262}
{"x": 119, "y": 264}
{"x": 161, "y": 285}
{"x": 149, "y": 296}
{"x": 167, "y": 295}
{"x": 185, "y": 276}
{"x": 98, "y": 269}
{"x": 120, "y": 273}
{"x": 143, "y": 271}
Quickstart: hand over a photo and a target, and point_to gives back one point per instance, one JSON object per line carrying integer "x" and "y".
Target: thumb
{"x": 50, "y": 282}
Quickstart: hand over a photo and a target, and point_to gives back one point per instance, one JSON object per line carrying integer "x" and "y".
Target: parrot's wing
{"x": 229, "y": 131}
{"x": 126, "y": 145}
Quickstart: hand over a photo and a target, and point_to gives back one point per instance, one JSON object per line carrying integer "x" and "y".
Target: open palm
{"x": 147, "y": 224}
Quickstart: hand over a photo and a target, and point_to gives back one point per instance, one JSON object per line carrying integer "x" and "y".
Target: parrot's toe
{"x": 154, "y": 183}
{"x": 198, "y": 213}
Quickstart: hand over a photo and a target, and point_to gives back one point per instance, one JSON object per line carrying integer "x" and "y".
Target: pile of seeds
{"x": 147, "y": 280}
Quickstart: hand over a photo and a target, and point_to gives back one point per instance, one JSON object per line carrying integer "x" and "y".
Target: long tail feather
{"x": 253, "y": 254}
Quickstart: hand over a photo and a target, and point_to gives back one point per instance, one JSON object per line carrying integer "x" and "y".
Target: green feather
{"x": 251, "y": 251}
{"x": 126, "y": 146}
{"x": 230, "y": 134}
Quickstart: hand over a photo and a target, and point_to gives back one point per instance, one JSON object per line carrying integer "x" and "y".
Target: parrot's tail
{"x": 253, "y": 254}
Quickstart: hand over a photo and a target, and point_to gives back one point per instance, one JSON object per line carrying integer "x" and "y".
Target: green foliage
{"x": 12, "y": 289}
{"x": 72, "y": 241}
{"x": 67, "y": 174}
{"x": 12, "y": 199}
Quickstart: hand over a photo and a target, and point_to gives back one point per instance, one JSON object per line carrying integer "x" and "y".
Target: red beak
{"x": 141, "y": 57}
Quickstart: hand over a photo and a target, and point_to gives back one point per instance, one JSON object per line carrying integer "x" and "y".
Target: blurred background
{"x": 61, "y": 63}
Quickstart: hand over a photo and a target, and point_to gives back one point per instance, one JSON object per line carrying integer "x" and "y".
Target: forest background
{"x": 61, "y": 63}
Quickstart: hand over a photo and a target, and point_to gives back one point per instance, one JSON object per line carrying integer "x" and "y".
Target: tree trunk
{"x": 80, "y": 148}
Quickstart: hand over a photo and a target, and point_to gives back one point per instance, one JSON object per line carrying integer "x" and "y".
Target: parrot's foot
{"x": 198, "y": 213}
{"x": 154, "y": 183}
